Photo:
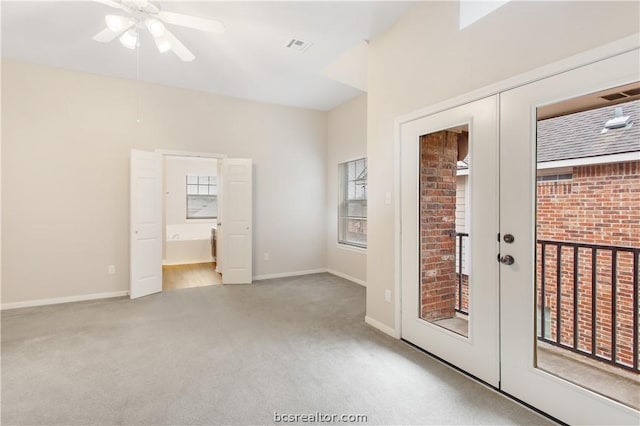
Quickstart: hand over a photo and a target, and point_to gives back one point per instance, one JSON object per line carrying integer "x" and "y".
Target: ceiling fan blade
{"x": 106, "y": 36}
{"x": 209, "y": 25}
{"x": 178, "y": 48}
{"x": 114, "y": 3}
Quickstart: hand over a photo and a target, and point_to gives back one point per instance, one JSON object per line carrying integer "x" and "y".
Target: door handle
{"x": 507, "y": 260}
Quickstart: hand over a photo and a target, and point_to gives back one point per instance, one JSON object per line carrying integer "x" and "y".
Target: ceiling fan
{"x": 142, "y": 14}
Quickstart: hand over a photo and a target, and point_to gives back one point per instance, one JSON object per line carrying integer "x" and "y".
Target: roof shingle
{"x": 579, "y": 135}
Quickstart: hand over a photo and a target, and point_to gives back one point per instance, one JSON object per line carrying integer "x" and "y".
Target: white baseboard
{"x": 57, "y": 300}
{"x": 289, "y": 274}
{"x": 191, "y": 262}
{"x": 347, "y": 277}
{"x": 382, "y": 327}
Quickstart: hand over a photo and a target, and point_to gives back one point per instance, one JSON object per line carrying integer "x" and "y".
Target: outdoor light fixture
{"x": 617, "y": 122}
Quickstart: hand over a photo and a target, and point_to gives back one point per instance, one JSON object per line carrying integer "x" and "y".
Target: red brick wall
{"x": 600, "y": 205}
{"x": 438, "y": 157}
{"x": 462, "y": 303}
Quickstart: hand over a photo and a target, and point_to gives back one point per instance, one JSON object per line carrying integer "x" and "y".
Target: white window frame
{"x": 208, "y": 185}
{"x": 343, "y": 180}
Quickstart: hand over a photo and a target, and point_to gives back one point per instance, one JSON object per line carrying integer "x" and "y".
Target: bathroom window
{"x": 202, "y": 197}
{"x": 352, "y": 206}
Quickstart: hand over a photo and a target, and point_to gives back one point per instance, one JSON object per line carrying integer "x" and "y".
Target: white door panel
{"x": 477, "y": 353}
{"x": 520, "y": 377}
{"x": 146, "y": 224}
{"x": 235, "y": 221}
{"x": 219, "y": 242}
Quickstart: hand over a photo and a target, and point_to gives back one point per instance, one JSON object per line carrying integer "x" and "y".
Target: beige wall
{"x": 346, "y": 140}
{"x": 66, "y": 139}
{"x": 424, "y": 59}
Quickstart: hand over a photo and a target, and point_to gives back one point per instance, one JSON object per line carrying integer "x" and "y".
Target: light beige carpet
{"x": 229, "y": 355}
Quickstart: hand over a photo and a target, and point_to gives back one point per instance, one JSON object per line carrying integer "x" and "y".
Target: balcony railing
{"x": 459, "y": 304}
{"x": 588, "y": 300}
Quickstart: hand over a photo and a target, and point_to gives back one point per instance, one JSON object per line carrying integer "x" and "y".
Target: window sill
{"x": 348, "y": 247}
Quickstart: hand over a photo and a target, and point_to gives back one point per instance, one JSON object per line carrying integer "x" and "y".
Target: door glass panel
{"x": 588, "y": 241}
{"x": 444, "y": 229}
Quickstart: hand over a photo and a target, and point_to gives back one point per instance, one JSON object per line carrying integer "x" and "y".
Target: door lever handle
{"x": 507, "y": 260}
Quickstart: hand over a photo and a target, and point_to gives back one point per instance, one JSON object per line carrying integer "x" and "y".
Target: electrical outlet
{"x": 387, "y": 296}
{"x": 266, "y": 256}
{"x": 111, "y": 269}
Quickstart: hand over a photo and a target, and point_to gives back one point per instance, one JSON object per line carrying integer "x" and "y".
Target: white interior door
{"x": 219, "y": 242}
{"x": 146, "y": 224}
{"x": 235, "y": 221}
{"x": 521, "y": 376}
{"x": 468, "y": 341}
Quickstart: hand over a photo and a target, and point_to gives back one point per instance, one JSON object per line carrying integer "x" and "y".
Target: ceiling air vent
{"x": 622, "y": 95}
{"x": 632, "y": 92}
{"x": 613, "y": 96}
{"x": 299, "y": 45}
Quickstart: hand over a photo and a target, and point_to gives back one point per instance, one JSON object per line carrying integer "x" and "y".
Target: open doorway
{"x": 228, "y": 183}
{"x": 190, "y": 222}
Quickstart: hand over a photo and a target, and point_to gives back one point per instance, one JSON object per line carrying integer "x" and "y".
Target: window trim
{"x": 351, "y": 247}
{"x": 342, "y": 191}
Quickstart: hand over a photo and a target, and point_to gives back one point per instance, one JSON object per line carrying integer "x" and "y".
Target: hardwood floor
{"x": 187, "y": 276}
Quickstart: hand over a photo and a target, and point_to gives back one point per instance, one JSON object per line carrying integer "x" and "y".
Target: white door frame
{"x": 172, "y": 153}
{"x": 609, "y": 50}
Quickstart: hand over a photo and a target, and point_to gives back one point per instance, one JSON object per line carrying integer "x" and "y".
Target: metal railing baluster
{"x": 618, "y": 307}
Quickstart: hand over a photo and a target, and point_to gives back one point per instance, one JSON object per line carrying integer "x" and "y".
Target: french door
{"x": 468, "y": 241}
{"x": 449, "y": 165}
{"x": 522, "y": 375}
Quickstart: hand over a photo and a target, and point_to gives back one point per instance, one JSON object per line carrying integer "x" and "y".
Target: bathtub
{"x": 188, "y": 243}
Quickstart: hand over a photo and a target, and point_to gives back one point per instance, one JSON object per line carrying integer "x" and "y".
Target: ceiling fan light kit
{"x": 142, "y": 14}
{"x": 117, "y": 23}
{"x": 162, "y": 44}
{"x": 155, "y": 27}
{"x": 129, "y": 39}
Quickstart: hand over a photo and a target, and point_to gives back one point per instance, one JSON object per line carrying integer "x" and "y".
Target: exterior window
{"x": 352, "y": 204}
{"x": 555, "y": 177}
{"x": 202, "y": 197}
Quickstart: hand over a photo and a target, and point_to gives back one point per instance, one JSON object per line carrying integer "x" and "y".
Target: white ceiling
{"x": 249, "y": 61}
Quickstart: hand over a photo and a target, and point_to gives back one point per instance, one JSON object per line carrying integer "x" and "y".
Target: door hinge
{"x": 498, "y": 237}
